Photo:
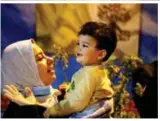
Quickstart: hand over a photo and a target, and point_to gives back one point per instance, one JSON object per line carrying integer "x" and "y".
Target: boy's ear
{"x": 102, "y": 54}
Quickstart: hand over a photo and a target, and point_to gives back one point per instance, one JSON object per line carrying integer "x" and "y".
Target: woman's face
{"x": 44, "y": 64}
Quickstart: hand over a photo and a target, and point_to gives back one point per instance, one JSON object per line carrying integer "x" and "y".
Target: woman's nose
{"x": 49, "y": 60}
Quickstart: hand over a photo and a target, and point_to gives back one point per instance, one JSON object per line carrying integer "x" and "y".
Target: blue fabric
{"x": 149, "y": 50}
{"x": 91, "y": 110}
{"x": 73, "y": 66}
{"x": 148, "y": 46}
{"x": 86, "y": 112}
{"x": 13, "y": 26}
{"x": 41, "y": 91}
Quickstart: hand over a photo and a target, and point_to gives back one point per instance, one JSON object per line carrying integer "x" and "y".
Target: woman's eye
{"x": 40, "y": 58}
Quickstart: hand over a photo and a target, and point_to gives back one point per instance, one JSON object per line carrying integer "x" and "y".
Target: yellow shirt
{"x": 89, "y": 85}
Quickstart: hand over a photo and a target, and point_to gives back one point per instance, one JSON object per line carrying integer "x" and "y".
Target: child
{"x": 90, "y": 84}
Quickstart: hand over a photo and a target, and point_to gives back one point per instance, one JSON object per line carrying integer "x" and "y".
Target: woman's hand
{"x": 12, "y": 93}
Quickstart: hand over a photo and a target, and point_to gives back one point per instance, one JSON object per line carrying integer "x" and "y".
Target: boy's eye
{"x": 85, "y": 45}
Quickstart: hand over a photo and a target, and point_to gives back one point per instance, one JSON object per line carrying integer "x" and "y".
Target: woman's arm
{"x": 28, "y": 111}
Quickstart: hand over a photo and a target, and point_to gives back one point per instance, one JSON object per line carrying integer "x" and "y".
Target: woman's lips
{"x": 50, "y": 71}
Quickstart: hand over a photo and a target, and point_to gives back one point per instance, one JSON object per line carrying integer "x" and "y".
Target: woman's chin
{"x": 53, "y": 78}
{"x": 79, "y": 60}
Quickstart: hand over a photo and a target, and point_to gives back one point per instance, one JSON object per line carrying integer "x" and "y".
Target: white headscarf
{"x": 19, "y": 67}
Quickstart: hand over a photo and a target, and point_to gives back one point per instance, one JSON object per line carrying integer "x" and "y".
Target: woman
{"x": 24, "y": 64}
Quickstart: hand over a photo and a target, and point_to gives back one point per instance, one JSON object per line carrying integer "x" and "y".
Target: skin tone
{"x": 44, "y": 65}
{"x": 87, "y": 53}
{"x": 47, "y": 75}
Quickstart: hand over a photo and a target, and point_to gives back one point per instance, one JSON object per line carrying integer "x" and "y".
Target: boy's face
{"x": 87, "y": 53}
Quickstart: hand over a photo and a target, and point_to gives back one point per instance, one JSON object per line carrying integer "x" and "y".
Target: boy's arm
{"x": 106, "y": 108}
{"x": 76, "y": 99}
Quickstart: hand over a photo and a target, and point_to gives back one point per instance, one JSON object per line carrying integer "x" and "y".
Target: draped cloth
{"x": 19, "y": 67}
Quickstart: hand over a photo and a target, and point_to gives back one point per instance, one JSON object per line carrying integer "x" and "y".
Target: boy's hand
{"x": 50, "y": 112}
{"x": 46, "y": 114}
{"x": 50, "y": 102}
{"x": 64, "y": 86}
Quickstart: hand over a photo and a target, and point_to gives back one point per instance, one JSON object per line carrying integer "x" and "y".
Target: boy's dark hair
{"x": 104, "y": 34}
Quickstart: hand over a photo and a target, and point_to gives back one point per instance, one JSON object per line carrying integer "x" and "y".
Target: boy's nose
{"x": 78, "y": 48}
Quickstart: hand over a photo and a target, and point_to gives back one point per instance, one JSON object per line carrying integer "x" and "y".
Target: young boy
{"x": 90, "y": 84}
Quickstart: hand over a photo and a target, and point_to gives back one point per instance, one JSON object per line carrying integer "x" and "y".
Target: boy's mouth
{"x": 79, "y": 54}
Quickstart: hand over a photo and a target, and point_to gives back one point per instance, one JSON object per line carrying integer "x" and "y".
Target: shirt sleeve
{"x": 77, "y": 98}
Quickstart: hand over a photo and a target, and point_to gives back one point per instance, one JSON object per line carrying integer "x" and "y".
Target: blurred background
{"x": 55, "y": 28}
